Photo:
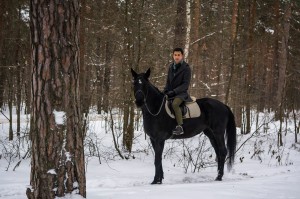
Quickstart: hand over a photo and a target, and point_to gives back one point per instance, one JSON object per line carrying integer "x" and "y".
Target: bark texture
{"x": 57, "y": 143}
{"x": 180, "y": 24}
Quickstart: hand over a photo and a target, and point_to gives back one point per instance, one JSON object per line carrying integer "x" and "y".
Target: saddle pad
{"x": 192, "y": 112}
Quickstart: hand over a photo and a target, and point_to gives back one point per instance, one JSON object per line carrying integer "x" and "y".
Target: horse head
{"x": 140, "y": 82}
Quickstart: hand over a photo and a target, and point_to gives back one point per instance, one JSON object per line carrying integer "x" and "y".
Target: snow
{"x": 269, "y": 30}
{"x": 257, "y": 172}
{"x": 25, "y": 14}
{"x": 130, "y": 179}
{"x": 272, "y": 187}
{"x": 52, "y": 171}
{"x": 60, "y": 117}
{"x": 68, "y": 156}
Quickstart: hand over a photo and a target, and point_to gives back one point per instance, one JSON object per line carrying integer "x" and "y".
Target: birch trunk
{"x": 188, "y": 29}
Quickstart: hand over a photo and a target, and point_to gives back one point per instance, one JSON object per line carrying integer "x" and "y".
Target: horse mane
{"x": 154, "y": 87}
{"x": 151, "y": 85}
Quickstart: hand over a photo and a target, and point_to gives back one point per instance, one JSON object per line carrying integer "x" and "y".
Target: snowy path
{"x": 253, "y": 178}
{"x": 130, "y": 180}
{"x": 285, "y": 186}
{"x": 260, "y": 181}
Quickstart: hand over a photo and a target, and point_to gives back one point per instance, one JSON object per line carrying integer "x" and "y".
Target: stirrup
{"x": 178, "y": 130}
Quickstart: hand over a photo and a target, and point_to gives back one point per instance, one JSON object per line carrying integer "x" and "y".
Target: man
{"x": 178, "y": 81}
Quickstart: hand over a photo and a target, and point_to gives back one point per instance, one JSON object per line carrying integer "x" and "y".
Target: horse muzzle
{"x": 139, "y": 98}
{"x": 139, "y": 103}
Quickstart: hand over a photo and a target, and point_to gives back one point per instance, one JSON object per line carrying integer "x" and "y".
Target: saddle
{"x": 188, "y": 109}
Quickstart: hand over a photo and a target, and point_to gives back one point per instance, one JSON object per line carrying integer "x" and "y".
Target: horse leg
{"x": 158, "y": 147}
{"x": 210, "y": 135}
{"x": 222, "y": 151}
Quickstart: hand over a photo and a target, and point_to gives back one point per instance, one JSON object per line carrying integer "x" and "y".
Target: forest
{"x": 71, "y": 60}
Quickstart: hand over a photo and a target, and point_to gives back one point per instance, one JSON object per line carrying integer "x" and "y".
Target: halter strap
{"x": 145, "y": 101}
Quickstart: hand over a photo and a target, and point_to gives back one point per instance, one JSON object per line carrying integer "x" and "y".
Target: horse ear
{"x": 134, "y": 74}
{"x": 147, "y": 74}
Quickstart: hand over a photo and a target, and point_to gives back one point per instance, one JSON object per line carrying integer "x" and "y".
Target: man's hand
{"x": 170, "y": 93}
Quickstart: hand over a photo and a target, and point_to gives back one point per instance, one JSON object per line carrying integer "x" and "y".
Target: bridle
{"x": 145, "y": 102}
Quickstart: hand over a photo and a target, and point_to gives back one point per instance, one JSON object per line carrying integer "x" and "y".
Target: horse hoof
{"x": 157, "y": 181}
{"x": 219, "y": 178}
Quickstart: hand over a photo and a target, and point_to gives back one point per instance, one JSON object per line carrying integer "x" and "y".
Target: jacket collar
{"x": 174, "y": 64}
{"x": 181, "y": 68}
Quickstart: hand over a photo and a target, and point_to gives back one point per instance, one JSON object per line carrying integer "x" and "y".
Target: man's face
{"x": 177, "y": 56}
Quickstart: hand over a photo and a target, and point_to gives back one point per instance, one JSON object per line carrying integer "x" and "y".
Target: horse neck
{"x": 154, "y": 99}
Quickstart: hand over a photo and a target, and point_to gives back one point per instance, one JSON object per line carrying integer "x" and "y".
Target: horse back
{"x": 214, "y": 111}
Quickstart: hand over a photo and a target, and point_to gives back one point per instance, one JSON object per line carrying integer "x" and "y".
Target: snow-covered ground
{"x": 261, "y": 170}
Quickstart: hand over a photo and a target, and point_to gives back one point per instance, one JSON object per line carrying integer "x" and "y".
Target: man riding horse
{"x": 216, "y": 120}
{"x": 178, "y": 82}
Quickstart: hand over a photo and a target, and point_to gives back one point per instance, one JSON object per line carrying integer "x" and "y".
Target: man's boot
{"x": 178, "y": 130}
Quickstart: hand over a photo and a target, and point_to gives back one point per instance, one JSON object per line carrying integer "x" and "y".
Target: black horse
{"x": 216, "y": 118}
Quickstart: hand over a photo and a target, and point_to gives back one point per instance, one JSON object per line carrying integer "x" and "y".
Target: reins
{"x": 145, "y": 101}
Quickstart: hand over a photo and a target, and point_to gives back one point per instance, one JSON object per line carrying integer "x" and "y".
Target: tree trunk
{"x": 125, "y": 124}
{"x": 10, "y": 105}
{"x": 129, "y": 62}
{"x": 130, "y": 129}
{"x": 106, "y": 81}
{"x": 295, "y": 120}
{"x": 283, "y": 54}
{"x": 27, "y": 89}
{"x": 85, "y": 98}
{"x": 180, "y": 25}
{"x": 188, "y": 29}
{"x": 18, "y": 73}
{"x": 250, "y": 62}
{"x": 220, "y": 62}
{"x": 2, "y": 33}
{"x": 18, "y": 100}
{"x": 232, "y": 46}
{"x": 194, "y": 49}
{"x": 10, "y": 101}
{"x": 99, "y": 71}
{"x": 2, "y": 81}
{"x": 274, "y": 80}
{"x": 57, "y": 164}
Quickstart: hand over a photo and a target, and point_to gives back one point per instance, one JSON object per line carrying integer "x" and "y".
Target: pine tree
{"x": 57, "y": 164}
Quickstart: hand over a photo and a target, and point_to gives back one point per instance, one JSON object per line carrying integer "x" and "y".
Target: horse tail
{"x": 231, "y": 139}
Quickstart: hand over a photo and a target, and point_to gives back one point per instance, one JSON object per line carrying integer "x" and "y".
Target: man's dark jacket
{"x": 179, "y": 81}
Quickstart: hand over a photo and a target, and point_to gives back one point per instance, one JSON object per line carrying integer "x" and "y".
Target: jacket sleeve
{"x": 167, "y": 86}
{"x": 185, "y": 82}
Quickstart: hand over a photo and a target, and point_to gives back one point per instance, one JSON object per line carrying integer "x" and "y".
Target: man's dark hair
{"x": 178, "y": 50}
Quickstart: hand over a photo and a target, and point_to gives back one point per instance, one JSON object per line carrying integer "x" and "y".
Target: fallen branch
{"x": 23, "y": 158}
{"x": 4, "y": 115}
